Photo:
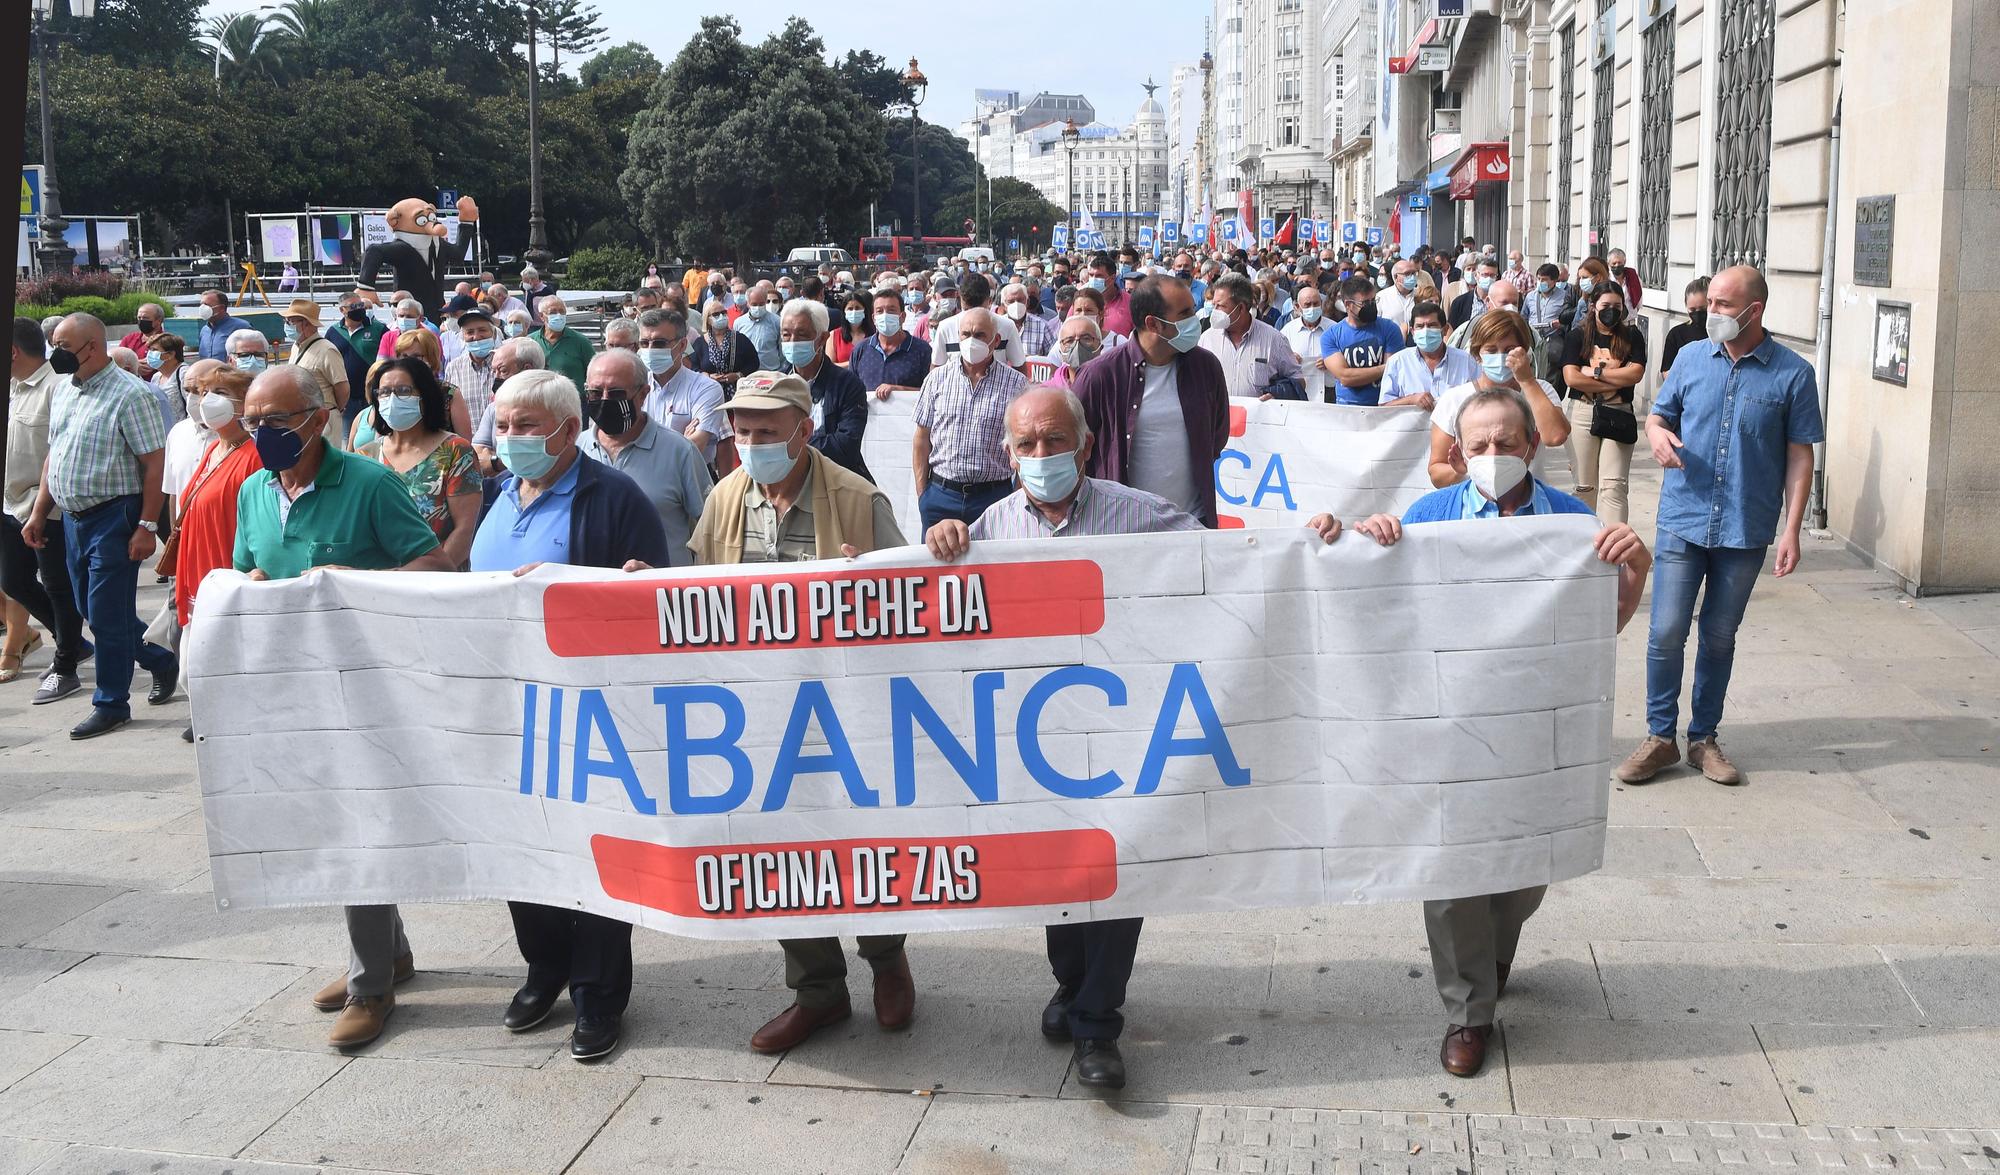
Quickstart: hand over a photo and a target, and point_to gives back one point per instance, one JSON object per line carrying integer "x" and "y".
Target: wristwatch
{"x": 151, "y": 526}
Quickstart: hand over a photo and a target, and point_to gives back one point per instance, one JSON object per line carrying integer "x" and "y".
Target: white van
{"x": 975, "y": 253}
{"x": 814, "y": 254}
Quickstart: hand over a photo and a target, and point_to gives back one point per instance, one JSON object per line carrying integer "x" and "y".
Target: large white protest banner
{"x": 1062, "y": 729}
{"x": 1287, "y": 460}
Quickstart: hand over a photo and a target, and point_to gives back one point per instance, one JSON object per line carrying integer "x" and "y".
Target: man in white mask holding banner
{"x": 1473, "y": 939}
{"x": 1049, "y": 441}
{"x": 788, "y": 502}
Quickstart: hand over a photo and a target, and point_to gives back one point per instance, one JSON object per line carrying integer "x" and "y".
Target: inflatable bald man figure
{"x": 417, "y": 257}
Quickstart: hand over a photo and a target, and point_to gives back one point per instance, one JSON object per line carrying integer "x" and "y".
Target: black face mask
{"x": 1611, "y": 316}
{"x": 148, "y": 326}
{"x": 1365, "y": 313}
{"x": 613, "y": 417}
{"x": 358, "y": 313}
{"x": 64, "y": 361}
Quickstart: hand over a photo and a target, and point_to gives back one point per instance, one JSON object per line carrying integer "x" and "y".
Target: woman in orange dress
{"x": 206, "y": 536}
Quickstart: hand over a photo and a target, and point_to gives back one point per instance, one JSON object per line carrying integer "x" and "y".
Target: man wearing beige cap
{"x": 788, "y": 502}
{"x": 319, "y": 358}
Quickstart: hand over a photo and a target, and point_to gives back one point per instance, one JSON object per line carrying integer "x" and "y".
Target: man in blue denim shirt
{"x": 1733, "y": 431}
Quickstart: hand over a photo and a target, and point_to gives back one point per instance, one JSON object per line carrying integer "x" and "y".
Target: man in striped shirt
{"x": 1048, "y": 442}
{"x": 957, "y": 456}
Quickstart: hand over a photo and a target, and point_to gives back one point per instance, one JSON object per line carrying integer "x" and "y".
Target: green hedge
{"x": 114, "y": 311}
{"x": 614, "y": 267}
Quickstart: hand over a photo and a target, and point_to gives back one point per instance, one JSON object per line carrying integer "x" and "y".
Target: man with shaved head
{"x": 664, "y": 463}
{"x": 107, "y": 452}
{"x": 957, "y": 456}
{"x": 1733, "y": 429}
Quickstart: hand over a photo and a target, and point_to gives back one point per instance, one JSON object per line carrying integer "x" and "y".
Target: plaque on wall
{"x": 1874, "y": 239}
{"x": 1892, "y": 343}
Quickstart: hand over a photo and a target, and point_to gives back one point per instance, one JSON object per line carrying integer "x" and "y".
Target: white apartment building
{"x": 1270, "y": 107}
{"x": 1118, "y": 173}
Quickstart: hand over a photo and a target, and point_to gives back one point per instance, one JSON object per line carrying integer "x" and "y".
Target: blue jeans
{"x": 106, "y": 581}
{"x": 1679, "y": 569}
{"x": 939, "y": 502}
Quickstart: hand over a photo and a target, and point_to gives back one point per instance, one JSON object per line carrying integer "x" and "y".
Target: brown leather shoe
{"x": 333, "y": 997}
{"x": 895, "y": 994}
{"x": 790, "y": 1027}
{"x": 1708, "y": 759}
{"x": 1464, "y": 1050}
{"x": 1653, "y": 756}
{"x": 1503, "y": 969}
{"x": 361, "y": 1020}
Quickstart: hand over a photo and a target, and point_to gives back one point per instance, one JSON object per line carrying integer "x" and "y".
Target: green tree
{"x": 243, "y": 45}
{"x": 742, "y": 149}
{"x": 306, "y": 29}
{"x": 569, "y": 26}
{"x": 1019, "y": 210}
{"x": 620, "y": 63}
{"x": 161, "y": 33}
{"x": 948, "y": 174}
{"x": 867, "y": 74}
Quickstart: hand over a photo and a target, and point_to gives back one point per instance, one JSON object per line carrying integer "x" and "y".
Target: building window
{"x": 1656, "y": 148}
{"x": 1602, "y": 96}
{"x": 1288, "y": 40}
{"x": 1288, "y": 86}
{"x": 1743, "y": 133}
{"x": 1288, "y": 131}
{"x": 1565, "y": 142}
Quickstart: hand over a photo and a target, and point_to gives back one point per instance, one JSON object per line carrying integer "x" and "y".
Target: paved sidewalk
{"x": 1801, "y": 973}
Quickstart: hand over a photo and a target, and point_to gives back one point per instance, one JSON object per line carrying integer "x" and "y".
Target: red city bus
{"x": 903, "y": 249}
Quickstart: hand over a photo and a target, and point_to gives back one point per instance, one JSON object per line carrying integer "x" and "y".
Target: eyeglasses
{"x": 401, "y": 391}
{"x": 275, "y": 419}
{"x": 660, "y": 344}
{"x": 590, "y": 393}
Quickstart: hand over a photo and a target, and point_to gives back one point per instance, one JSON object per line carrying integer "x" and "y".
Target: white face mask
{"x": 1017, "y": 310}
{"x": 974, "y": 351}
{"x": 217, "y": 410}
{"x": 1495, "y": 474}
{"x": 1723, "y": 328}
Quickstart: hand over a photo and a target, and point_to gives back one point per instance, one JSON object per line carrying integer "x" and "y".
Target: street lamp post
{"x": 914, "y": 78}
{"x": 537, "y": 253}
{"x": 56, "y": 254}
{"x": 1070, "y": 135}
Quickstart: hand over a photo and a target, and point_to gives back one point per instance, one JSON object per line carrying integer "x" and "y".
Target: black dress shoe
{"x": 594, "y": 1037}
{"x": 99, "y": 722}
{"x": 529, "y": 1008}
{"x": 163, "y": 684}
{"x": 1099, "y": 1065}
{"x": 1055, "y": 1017}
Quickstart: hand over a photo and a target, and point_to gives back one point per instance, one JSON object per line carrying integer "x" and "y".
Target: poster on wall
{"x": 281, "y": 240}
{"x": 333, "y": 239}
{"x": 1892, "y": 343}
{"x": 23, "y": 257}
{"x": 374, "y": 230}
{"x": 77, "y": 237}
{"x": 115, "y": 248}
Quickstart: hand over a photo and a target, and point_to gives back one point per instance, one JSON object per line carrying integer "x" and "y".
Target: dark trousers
{"x": 592, "y": 954}
{"x": 40, "y": 581}
{"x": 939, "y": 502}
{"x": 1094, "y": 960}
{"x": 106, "y": 583}
{"x": 816, "y": 968}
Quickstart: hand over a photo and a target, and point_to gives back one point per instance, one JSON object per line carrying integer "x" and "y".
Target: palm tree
{"x": 242, "y": 45}
{"x": 303, "y": 27}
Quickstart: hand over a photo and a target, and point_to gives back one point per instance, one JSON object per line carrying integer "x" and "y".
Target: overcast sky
{"x": 1101, "y": 51}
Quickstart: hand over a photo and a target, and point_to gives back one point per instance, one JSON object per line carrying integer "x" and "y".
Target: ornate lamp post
{"x": 918, "y": 83}
{"x": 1070, "y": 136}
{"x": 537, "y": 253}
{"x": 56, "y": 254}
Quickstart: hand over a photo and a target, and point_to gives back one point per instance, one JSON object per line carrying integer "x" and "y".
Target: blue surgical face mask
{"x": 1408, "y": 282}
{"x": 557, "y": 322}
{"x": 480, "y": 348}
{"x": 400, "y": 412}
{"x": 1583, "y": 285}
{"x": 516, "y": 329}
{"x": 856, "y": 317}
{"x": 1427, "y": 338}
{"x": 1097, "y": 283}
{"x": 527, "y": 457}
{"x": 1310, "y": 314}
{"x": 912, "y": 298}
{"x": 1049, "y": 479}
{"x": 1485, "y": 282}
{"x": 1545, "y": 287}
{"x": 888, "y": 324}
{"x": 1494, "y": 364}
{"x": 798, "y": 354}
{"x": 155, "y": 358}
{"x": 768, "y": 464}
{"x": 252, "y": 364}
{"x": 739, "y": 299}
{"x": 1187, "y": 334}
{"x": 291, "y": 333}
{"x": 659, "y": 361}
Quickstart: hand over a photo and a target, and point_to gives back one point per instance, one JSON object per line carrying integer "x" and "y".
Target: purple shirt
{"x": 1111, "y": 387}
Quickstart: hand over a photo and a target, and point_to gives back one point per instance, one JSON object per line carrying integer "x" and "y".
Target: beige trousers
{"x": 1603, "y": 469}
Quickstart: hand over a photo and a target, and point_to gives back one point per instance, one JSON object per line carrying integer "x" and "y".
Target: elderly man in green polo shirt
{"x": 568, "y": 352}
{"x": 315, "y": 506}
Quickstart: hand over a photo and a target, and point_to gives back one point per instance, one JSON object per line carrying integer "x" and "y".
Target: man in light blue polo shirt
{"x": 1733, "y": 430}
{"x": 665, "y": 464}
{"x": 1473, "y": 939}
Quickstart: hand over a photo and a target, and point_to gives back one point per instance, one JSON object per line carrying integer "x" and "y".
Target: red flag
{"x": 1396, "y": 223}
{"x": 1290, "y": 229}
